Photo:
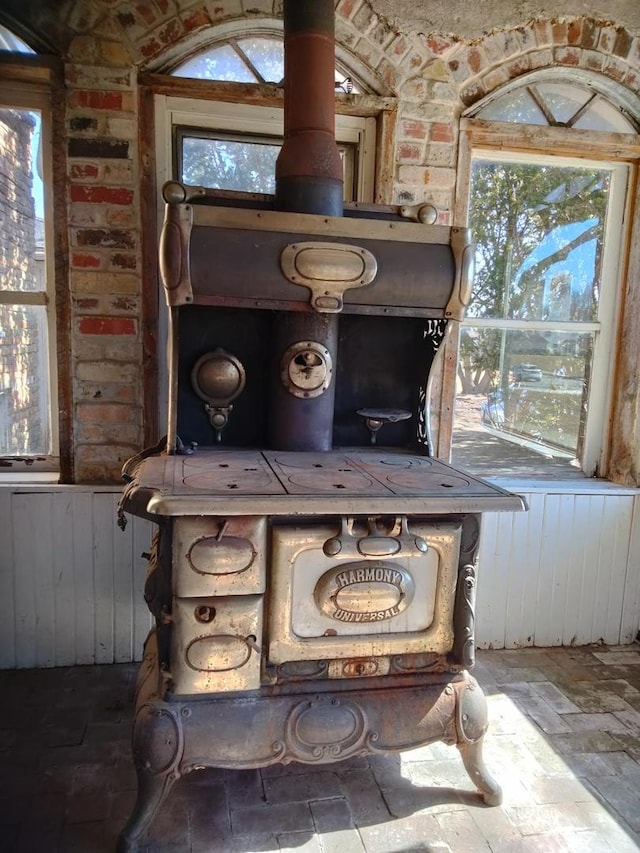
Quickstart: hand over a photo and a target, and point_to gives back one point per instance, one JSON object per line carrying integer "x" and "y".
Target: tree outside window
{"x": 532, "y": 332}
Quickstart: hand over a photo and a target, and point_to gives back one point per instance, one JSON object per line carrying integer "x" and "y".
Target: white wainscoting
{"x": 71, "y": 582}
{"x": 567, "y": 572}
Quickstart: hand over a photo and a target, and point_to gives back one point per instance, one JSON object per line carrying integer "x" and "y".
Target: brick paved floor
{"x": 564, "y": 742}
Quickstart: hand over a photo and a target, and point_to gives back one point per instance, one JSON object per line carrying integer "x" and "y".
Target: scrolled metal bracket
{"x": 464, "y": 616}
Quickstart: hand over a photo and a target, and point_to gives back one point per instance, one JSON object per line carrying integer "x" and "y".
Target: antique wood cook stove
{"x": 313, "y": 572}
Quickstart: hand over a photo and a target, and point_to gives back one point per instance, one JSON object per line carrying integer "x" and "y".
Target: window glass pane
{"x": 522, "y": 391}
{"x": 24, "y": 394}
{"x": 346, "y": 83}
{"x": 563, "y": 99}
{"x": 220, "y": 63}
{"x": 9, "y": 41}
{"x": 24, "y": 345}
{"x": 541, "y": 259}
{"x": 21, "y": 203}
{"x": 245, "y": 164}
{"x": 229, "y": 164}
{"x": 267, "y": 56}
{"x": 516, "y": 106}
{"x": 602, "y": 115}
{"x": 264, "y": 53}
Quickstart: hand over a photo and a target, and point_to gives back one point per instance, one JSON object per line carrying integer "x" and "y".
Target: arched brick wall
{"x": 433, "y": 77}
{"x": 499, "y": 58}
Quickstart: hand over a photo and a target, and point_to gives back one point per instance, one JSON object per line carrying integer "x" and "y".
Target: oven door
{"x": 362, "y": 588}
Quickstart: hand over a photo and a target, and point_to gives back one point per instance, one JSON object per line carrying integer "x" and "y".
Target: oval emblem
{"x": 367, "y": 596}
{"x": 218, "y": 654}
{"x": 227, "y": 556}
{"x": 365, "y": 591}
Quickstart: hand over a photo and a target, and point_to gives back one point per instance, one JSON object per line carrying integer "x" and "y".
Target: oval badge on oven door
{"x": 364, "y": 591}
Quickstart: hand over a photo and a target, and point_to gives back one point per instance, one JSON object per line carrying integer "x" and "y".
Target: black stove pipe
{"x": 309, "y": 179}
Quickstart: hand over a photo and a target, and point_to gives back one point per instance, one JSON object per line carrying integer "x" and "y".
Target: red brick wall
{"x": 434, "y": 78}
{"x": 104, "y": 259}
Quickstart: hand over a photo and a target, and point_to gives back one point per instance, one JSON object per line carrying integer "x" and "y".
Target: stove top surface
{"x": 367, "y": 480}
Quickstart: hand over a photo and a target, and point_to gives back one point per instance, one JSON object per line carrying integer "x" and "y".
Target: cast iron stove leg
{"x": 476, "y": 768}
{"x": 152, "y": 790}
{"x": 471, "y": 725}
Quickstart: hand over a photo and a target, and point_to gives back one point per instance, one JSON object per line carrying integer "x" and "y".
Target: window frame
{"x": 258, "y": 120}
{"x": 527, "y": 142}
{"x": 26, "y": 85}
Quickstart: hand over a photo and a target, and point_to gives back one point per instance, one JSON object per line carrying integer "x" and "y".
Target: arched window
{"x": 251, "y": 59}
{"x": 234, "y": 146}
{"x": 563, "y": 99}
{"x": 10, "y": 41}
{"x": 545, "y": 174}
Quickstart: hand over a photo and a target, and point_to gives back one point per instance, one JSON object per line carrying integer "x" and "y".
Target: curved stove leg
{"x": 471, "y": 726}
{"x": 158, "y": 747}
{"x": 476, "y": 768}
{"x": 152, "y": 790}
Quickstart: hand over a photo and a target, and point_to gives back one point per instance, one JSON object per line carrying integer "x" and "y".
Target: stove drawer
{"x": 219, "y": 556}
{"x": 215, "y": 644}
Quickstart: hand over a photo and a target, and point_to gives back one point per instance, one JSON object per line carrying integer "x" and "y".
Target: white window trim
{"x": 36, "y": 96}
{"x": 596, "y": 440}
{"x": 247, "y": 118}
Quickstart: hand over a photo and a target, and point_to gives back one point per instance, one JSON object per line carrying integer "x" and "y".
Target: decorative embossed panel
{"x": 335, "y": 595}
{"x": 216, "y": 644}
{"x": 219, "y": 556}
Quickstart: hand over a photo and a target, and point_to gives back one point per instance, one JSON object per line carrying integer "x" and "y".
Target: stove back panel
{"x": 383, "y": 362}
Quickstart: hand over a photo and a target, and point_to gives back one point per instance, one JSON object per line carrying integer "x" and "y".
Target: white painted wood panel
{"x": 631, "y": 598}
{"x": 567, "y": 572}
{"x": 7, "y": 582}
{"x": 71, "y": 582}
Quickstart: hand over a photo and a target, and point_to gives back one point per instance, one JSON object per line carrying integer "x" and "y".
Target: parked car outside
{"x": 527, "y": 373}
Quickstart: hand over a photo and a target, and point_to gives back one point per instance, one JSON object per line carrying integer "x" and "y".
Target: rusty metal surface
{"x": 302, "y": 423}
{"x": 243, "y": 241}
{"x": 374, "y": 481}
{"x": 309, "y": 175}
{"x": 171, "y": 738}
{"x": 216, "y": 644}
{"x": 404, "y": 601}
{"x": 217, "y": 556}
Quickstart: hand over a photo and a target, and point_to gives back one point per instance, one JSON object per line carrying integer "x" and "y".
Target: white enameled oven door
{"x": 346, "y": 592}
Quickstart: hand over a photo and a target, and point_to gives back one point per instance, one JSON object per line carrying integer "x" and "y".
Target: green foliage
{"x": 514, "y": 207}
{"x": 535, "y": 227}
{"x": 228, "y": 164}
